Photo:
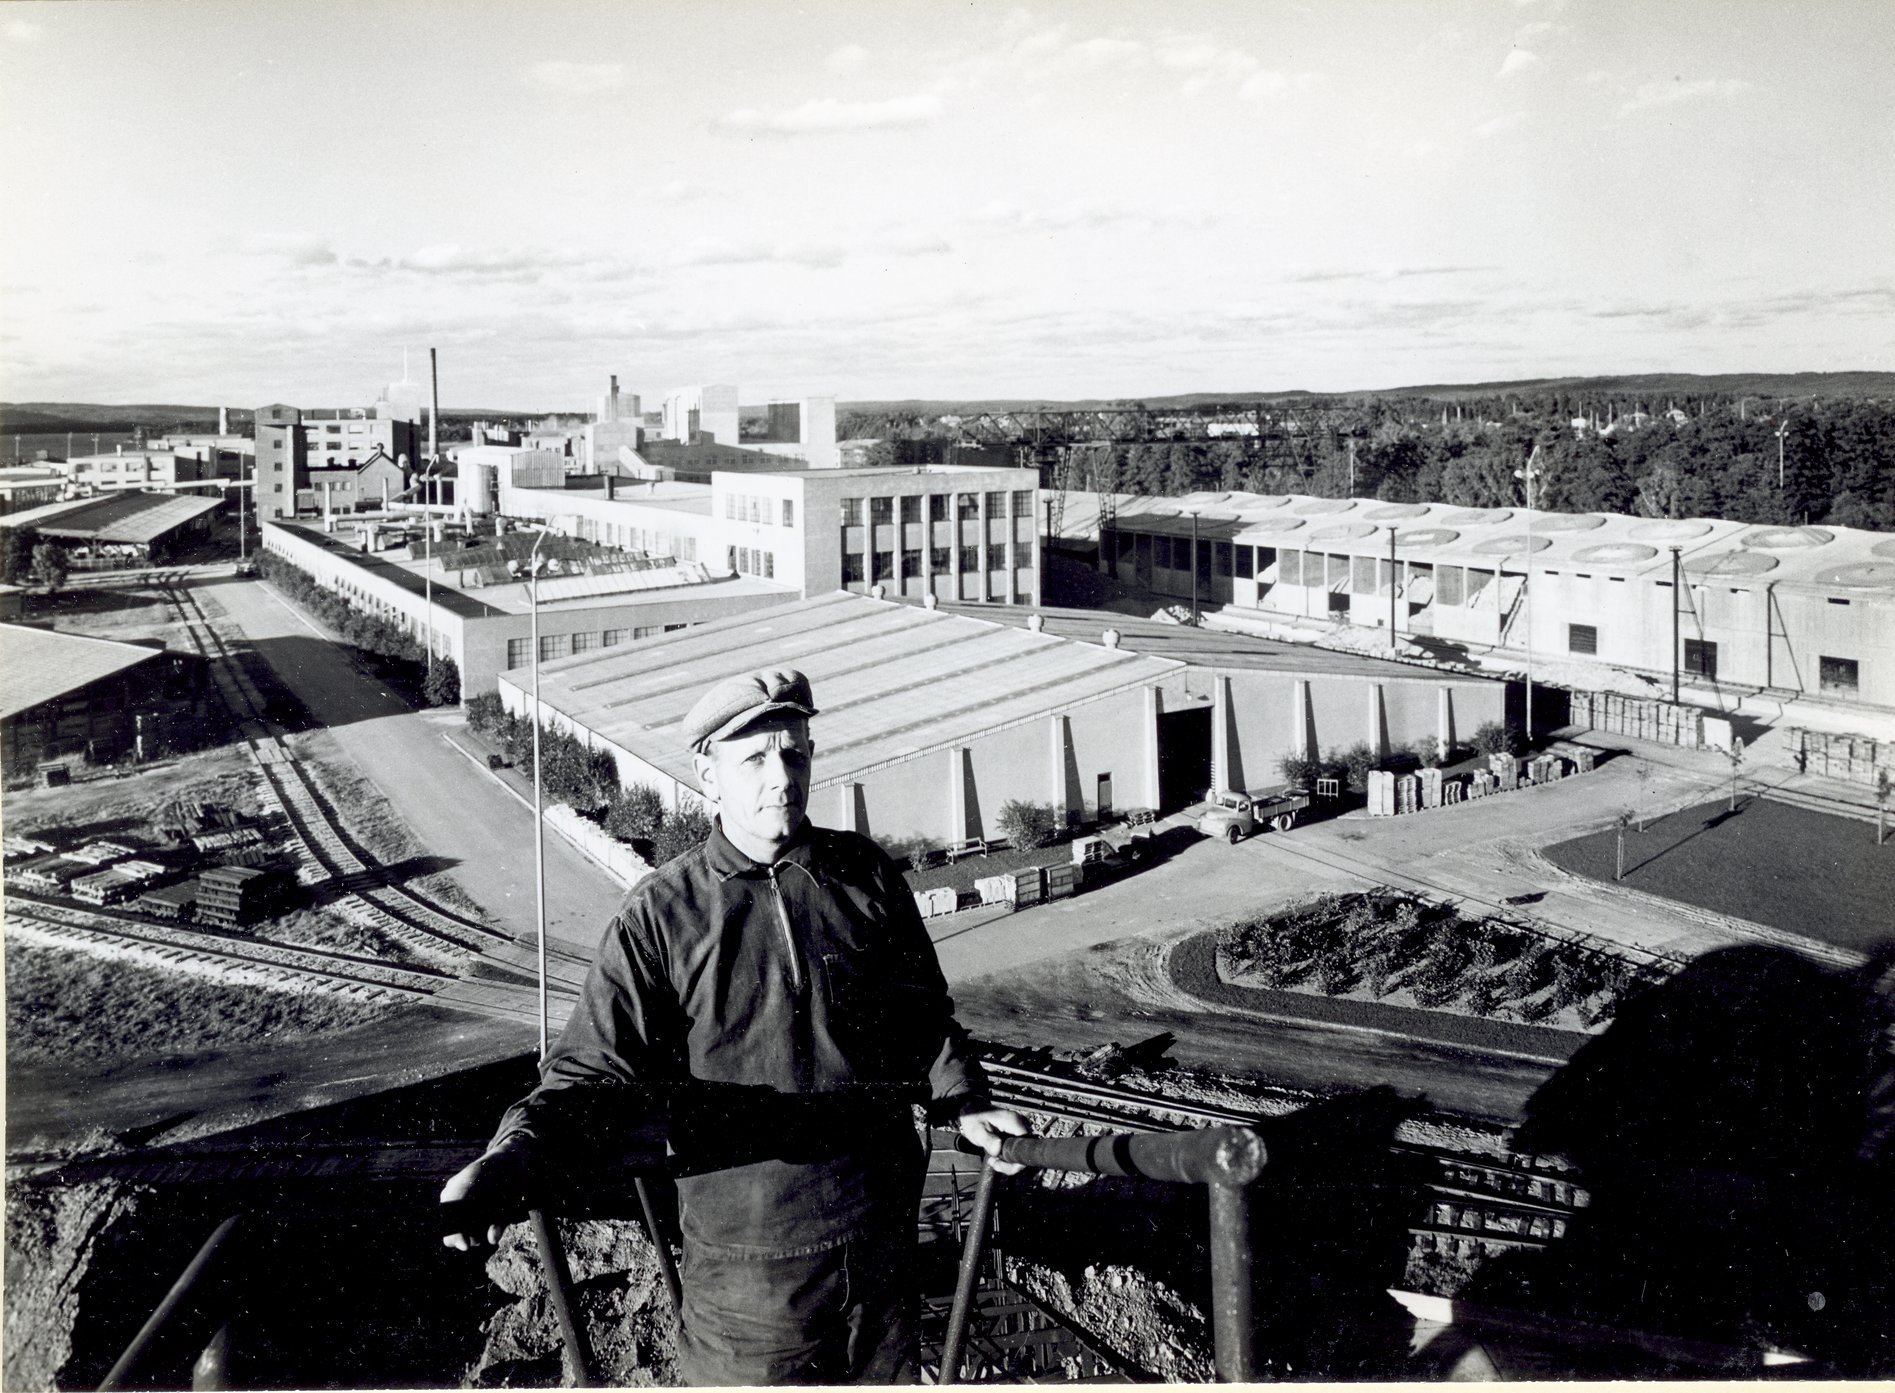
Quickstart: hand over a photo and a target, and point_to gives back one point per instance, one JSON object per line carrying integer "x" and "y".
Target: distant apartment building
{"x": 691, "y": 412}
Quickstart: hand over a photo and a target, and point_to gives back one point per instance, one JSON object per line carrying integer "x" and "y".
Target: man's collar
{"x": 725, "y": 860}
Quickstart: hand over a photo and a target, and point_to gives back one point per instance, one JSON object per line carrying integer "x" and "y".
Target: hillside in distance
{"x": 53, "y": 417}
{"x": 1864, "y": 385}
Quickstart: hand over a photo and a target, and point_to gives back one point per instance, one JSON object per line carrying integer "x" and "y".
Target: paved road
{"x": 454, "y": 809}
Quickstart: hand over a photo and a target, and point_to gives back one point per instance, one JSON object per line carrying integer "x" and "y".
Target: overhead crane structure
{"x": 1044, "y": 438}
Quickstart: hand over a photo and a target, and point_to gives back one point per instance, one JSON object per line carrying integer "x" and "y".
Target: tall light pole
{"x": 1676, "y": 576}
{"x": 539, "y": 825}
{"x": 1526, "y": 584}
{"x": 1783, "y": 429}
{"x": 427, "y": 566}
{"x": 243, "y": 551}
{"x": 1194, "y": 568}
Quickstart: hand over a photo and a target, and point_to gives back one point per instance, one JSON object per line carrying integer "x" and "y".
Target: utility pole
{"x": 1352, "y": 466}
{"x": 1783, "y": 427}
{"x": 539, "y": 824}
{"x": 1194, "y": 569}
{"x": 1676, "y": 570}
{"x": 427, "y": 522}
{"x": 1526, "y": 581}
{"x": 1392, "y": 587}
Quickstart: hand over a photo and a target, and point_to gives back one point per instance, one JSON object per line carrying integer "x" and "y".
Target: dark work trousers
{"x": 845, "y": 1314}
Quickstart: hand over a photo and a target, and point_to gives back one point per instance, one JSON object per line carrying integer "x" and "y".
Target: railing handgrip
{"x": 559, "y": 1286}
{"x": 955, "y": 1341}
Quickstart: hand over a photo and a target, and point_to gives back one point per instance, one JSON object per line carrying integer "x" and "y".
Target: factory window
{"x": 584, "y": 643}
{"x": 851, "y": 567}
{"x": 1161, "y": 553}
{"x": 1221, "y": 562}
{"x": 911, "y": 508}
{"x": 757, "y": 513}
{"x": 884, "y": 565}
{"x": 789, "y": 512}
{"x": 881, "y": 510}
{"x": 1839, "y": 674}
{"x": 335, "y": 430}
{"x": 355, "y": 429}
{"x": 910, "y": 562}
{"x": 517, "y": 652}
{"x": 970, "y": 560}
{"x": 940, "y": 559}
{"x": 611, "y": 638}
{"x": 276, "y": 445}
{"x": 1447, "y": 584}
{"x": 276, "y": 488}
{"x": 996, "y": 505}
{"x": 1023, "y": 503}
{"x": 671, "y": 628}
{"x": 687, "y": 551}
{"x": 967, "y": 506}
{"x": 1246, "y": 562}
{"x": 1834, "y": 600}
{"x": 645, "y": 631}
{"x": 997, "y": 556}
{"x": 1582, "y": 638}
{"x": 937, "y": 507}
{"x": 730, "y": 507}
{"x": 851, "y": 512}
{"x": 769, "y": 565}
{"x": 1700, "y": 657}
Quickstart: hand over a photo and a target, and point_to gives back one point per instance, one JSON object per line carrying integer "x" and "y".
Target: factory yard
{"x": 1786, "y": 866}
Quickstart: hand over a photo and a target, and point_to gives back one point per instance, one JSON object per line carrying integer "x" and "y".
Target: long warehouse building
{"x": 932, "y": 720}
{"x": 1801, "y": 611}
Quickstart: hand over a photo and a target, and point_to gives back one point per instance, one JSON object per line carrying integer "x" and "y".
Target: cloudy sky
{"x": 248, "y": 202}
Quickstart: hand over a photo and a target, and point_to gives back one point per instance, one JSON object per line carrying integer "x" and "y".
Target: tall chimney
{"x": 223, "y": 420}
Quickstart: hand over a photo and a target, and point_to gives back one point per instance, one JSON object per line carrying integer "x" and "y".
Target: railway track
{"x": 271, "y": 964}
{"x": 1465, "y": 1204}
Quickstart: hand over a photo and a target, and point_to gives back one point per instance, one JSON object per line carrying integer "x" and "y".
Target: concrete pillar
{"x": 1060, "y": 795}
{"x": 957, "y": 794}
{"x": 851, "y": 819}
{"x": 1154, "y": 708}
{"x": 1444, "y": 721}
{"x": 954, "y": 547}
{"x": 1220, "y": 733}
{"x": 980, "y": 552}
{"x": 1378, "y": 722}
{"x": 1300, "y": 742}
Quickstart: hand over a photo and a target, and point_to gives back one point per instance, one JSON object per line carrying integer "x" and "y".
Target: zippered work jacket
{"x": 782, "y": 1020}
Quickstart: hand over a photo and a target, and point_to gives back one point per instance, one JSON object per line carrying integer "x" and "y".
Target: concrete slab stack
{"x": 1430, "y": 787}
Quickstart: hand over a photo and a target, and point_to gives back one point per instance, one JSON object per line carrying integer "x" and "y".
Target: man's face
{"x": 760, "y": 779}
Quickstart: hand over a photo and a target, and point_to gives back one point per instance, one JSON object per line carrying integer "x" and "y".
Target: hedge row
{"x": 587, "y": 781}
{"x": 397, "y": 650}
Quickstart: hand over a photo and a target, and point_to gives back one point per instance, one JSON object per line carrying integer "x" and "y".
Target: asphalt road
{"x": 454, "y": 808}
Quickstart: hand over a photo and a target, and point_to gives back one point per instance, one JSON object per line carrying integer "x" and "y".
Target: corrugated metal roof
{"x": 37, "y": 665}
{"x": 129, "y": 517}
{"x": 891, "y": 680}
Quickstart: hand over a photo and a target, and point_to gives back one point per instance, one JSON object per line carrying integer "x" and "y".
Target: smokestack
{"x": 223, "y": 420}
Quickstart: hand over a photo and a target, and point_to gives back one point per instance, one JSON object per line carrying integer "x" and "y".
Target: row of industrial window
{"x": 1700, "y": 659}
{"x": 520, "y": 650}
{"x": 753, "y": 561}
{"x": 881, "y": 564}
{"x": 964, "y": 506}
{"x": 750, "y": 507}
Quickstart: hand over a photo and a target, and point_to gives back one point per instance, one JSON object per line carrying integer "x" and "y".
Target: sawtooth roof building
{"x": 1796, "y": 611}
{"x": 931, "y": 719}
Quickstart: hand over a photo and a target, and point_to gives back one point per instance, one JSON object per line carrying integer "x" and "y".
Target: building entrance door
{"x": 1184, "y": 756}
{"x": 1104, "y": 798}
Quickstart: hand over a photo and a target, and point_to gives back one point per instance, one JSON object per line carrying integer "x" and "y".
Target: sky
{"x": 239, "y": 203}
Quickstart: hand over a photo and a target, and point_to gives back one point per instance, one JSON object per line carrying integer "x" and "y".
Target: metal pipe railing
{"x": 559, "y": 1287}
{"x": 1226, "y": 1160}
{"x": 176, "y": 1300}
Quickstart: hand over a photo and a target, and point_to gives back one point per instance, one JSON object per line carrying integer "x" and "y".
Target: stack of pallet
{"x": 1061, "y": 880}
{"x": 1856, "y": 758}
{"x": 1381, "y": 794}
{"x": 1662, "y": 722}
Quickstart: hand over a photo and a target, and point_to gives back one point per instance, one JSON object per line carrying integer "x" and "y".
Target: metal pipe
{"x": 1208, "y": 1156}
{"x": 1233, "y": 1285}
{"x": 667, "y": 1265}
{"x": 1392, "y": 587}
{"x": 559, "y": 1286}
{"x": 539, "y": 823}
{"x": 212, "y": 1370}
{"x": 1194, "y": 568}
{"x": 955, "y": 1342}
{"x": 175, "y": 1300}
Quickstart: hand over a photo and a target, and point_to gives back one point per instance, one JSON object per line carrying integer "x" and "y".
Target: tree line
{"x": 397, "y": 652}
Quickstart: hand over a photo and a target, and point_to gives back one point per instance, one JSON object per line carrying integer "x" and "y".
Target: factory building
{"x": 125, "y": 526}
{"x": 931, "y": 720}
{"x": 956, "y": 532}
{"x": 1799, "y": 611}
{"x": 282, "y": 460}
{"x": 71, "y": 695}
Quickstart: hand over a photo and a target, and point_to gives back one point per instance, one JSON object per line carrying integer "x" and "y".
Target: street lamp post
{"x": 539, "y": 825}
{"x": 1194, "y": 569}
{"x": 427, "y": 568}
{"x": 243, "y": 547}
{"x": 1529, "y": 473}
{"x": 1783, "y": 428}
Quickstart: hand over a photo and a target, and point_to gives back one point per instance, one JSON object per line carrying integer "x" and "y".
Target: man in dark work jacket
{"x": 773, "y": 995}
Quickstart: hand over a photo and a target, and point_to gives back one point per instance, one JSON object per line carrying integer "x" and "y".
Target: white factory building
{"x": 1800, "y": 611}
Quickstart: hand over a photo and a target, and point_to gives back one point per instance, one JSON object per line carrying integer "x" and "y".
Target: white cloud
{"x": 675, "y": 191}
{"x": 577, "y": 79}
{"x": 1656, "y": 94}
{"x": 22, "y": 31}
{"x": 828, "y": 116}
{"x": 709, "y": 252}
{"x": 1519, "y": 60}
{"x": 298, "y": 249}
{"x": 1487, "y": 129}
{"x": 850, "y": 58}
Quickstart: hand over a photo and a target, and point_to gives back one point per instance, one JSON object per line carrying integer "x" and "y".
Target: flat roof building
{"x": 1800, "y": 611}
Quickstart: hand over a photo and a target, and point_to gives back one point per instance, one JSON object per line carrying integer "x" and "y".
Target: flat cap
{"x": 737, "y": 703}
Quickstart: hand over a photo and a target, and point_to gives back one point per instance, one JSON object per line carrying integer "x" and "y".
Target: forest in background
{"x": 1820, "y": 460}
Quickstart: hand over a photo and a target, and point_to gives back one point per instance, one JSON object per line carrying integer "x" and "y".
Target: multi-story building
{"x": 28, "y": 486}
{"x": 373, "y": 483}
{"x": 343, "y": 438}
{"x": 690, "y": 412}
{"x": 282, "y": 460}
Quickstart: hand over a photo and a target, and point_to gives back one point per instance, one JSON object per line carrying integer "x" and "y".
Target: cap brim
{"x": 738, "y": 724}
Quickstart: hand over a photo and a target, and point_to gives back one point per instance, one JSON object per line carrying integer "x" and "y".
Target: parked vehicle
{"x": 1234, "y": 816}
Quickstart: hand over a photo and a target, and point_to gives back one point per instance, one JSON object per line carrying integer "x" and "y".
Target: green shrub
{"x": 485, "y": 714}
{"x": 634, "y": 813}
{"x": 1300, "y": 771}
{"x": 680, "y": 831}
{"x": 1357, "y": 763}
{"x": 1493, "y": 738}
{"x": 443, "y": 685}
{"x": 1026, "y": 825}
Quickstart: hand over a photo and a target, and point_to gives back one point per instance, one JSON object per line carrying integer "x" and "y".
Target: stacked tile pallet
{"x": 1855, "y": 758}
{"x": 1643, "y": 718}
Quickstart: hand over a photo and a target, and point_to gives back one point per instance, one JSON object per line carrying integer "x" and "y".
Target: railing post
{"x": 956, "y": 1339}
{"x": 667, "y": 1265}
{"x": 212, "y": 1370}
{"x": 559, "y": 1287}
{"x": 1233, "y": 1284}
